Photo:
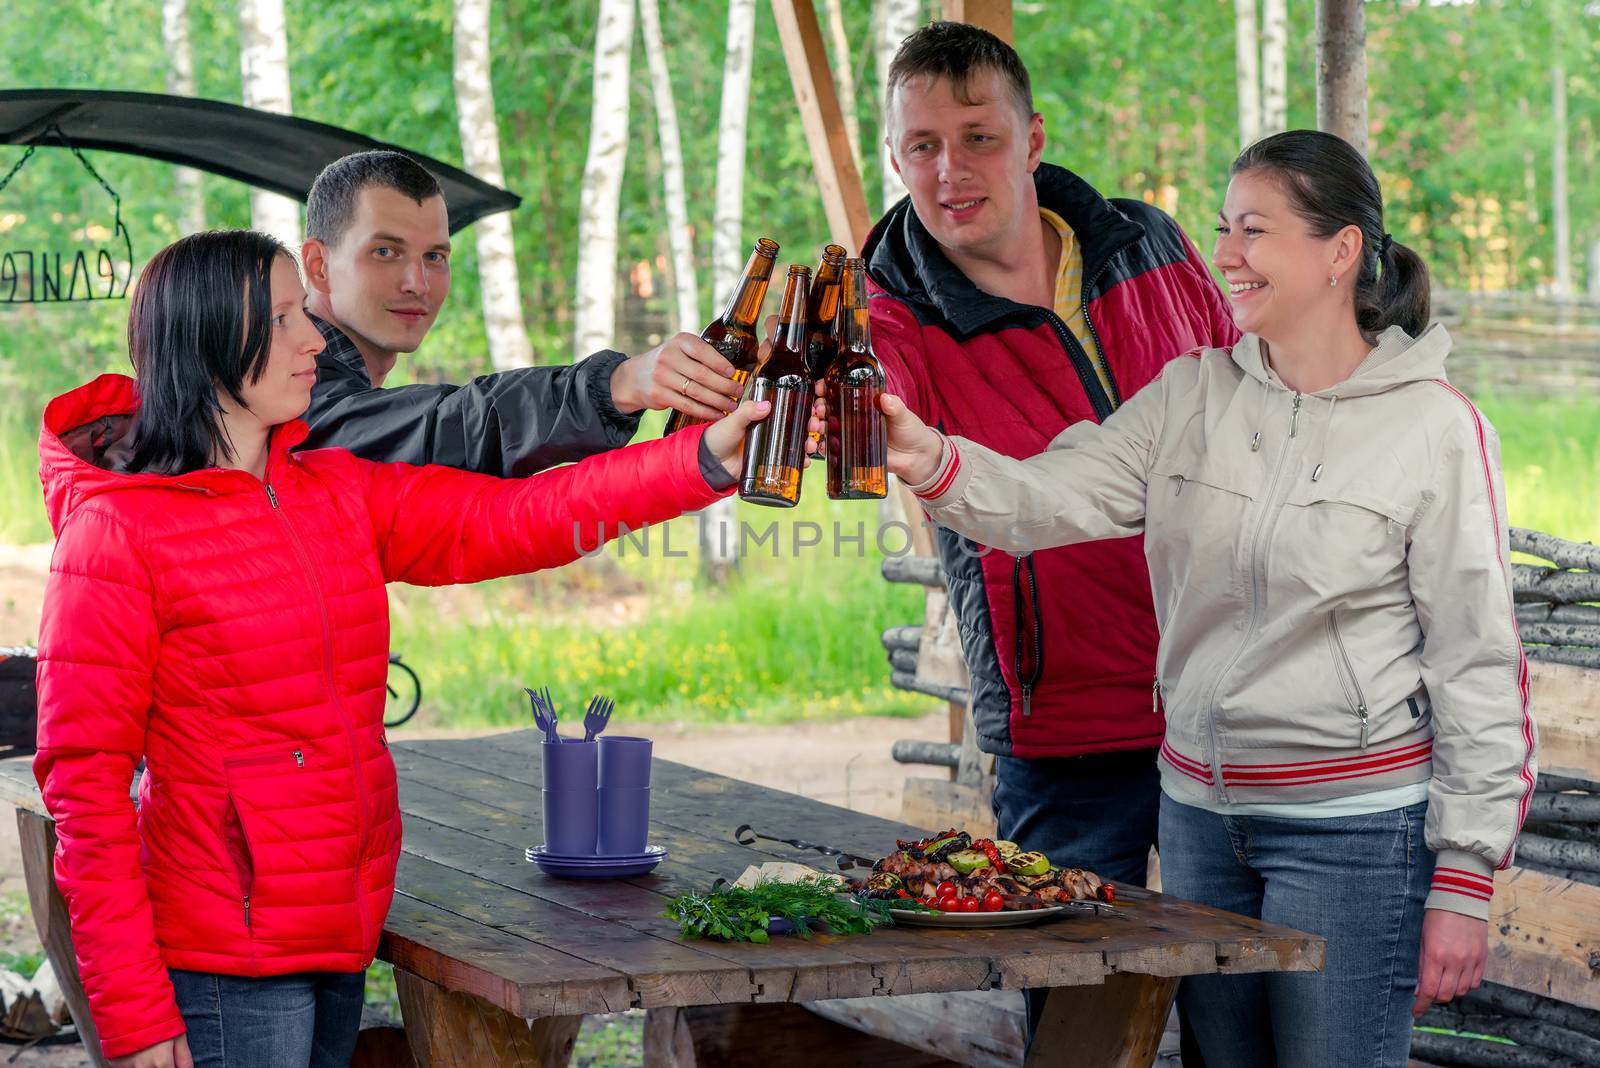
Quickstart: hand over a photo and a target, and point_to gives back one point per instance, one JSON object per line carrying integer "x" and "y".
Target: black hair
{"x": 1331, "y": 186}
{"x": 331, "y": 204}
{"x": 201, "y": 320}
{"x": 956, "y": 51}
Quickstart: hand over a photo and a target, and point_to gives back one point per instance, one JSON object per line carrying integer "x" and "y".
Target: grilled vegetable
{"x": 967, "y": 861}
{"x": 1029, "y": 864}
{"x": 1007, "y": 849}
{"x": 942, "y": 849}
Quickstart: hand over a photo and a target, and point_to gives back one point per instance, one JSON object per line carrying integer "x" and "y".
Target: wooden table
{"x": 482, "y": 941}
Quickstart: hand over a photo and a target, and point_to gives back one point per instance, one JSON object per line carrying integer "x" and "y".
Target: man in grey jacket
{"x": 377, "y": 264}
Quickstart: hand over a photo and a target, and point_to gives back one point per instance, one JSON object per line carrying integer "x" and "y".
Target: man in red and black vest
{"x": 1010, "y": 300}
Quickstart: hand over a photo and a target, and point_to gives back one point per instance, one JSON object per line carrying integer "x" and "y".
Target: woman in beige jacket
{"x": 1348, "y": 743}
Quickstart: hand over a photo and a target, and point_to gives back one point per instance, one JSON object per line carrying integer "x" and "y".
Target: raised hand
{"x": 682, "y": 372}
{"x": 914, "y": 447}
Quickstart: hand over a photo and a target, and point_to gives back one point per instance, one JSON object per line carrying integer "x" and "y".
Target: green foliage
{"x": 734, "y": 914}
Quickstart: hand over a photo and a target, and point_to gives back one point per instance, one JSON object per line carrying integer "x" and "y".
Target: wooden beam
{"x": 37, "y": 841}
{"x": 1543, "y": 936}
{"x": 1566, "y": 706}
{"x": 992, "y": 15}
{"x": 837, "y": 178}
{"x": 1342, "y": 70}
{"x": 1115, "y": 1025}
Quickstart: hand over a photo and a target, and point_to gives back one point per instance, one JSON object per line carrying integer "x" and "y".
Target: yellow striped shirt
{"x": 1068, "y": 304}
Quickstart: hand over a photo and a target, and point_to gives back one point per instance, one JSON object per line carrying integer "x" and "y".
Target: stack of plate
{"x": 594, "y": 867}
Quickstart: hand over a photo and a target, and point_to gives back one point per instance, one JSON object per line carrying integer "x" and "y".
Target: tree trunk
{"x": 844, "y": 75}
{"x": 1274, "y": 67}
{"x": 480, "y": 148}
{"x": 728, "y": 246}
{"x": 180, "y": 82}
{"x": 898, "y": 19}
{"x": 1247, "y": 70}
{"x": 719, "y": 528}
{"x": 678, "y": 239}
{"x": 595, "y": 323}
{"x": 264, "y": 65}
{"x": 1561, "y": 220}
{"x": 1342, "y": 70}
{"x": 1594, "y": 269}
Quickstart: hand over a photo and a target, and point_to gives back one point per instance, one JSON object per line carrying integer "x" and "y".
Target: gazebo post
{"x": 992, "y": 15}
{"x": 1342, "y": 70}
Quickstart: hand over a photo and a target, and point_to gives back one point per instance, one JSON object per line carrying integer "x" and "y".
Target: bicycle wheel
{"x": 404, "y": 692}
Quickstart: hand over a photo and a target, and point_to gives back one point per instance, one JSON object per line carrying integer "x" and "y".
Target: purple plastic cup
{"x": 624, "y": 820}
{"x": 624, "y": 761}
{"x": 570, "y": 765}
{"x": 571, "y": 819}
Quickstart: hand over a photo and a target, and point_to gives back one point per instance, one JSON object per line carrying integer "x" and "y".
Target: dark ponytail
{"x": 1331, "y": 186}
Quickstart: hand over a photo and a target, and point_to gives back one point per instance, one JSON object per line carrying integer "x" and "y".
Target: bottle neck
{"x": 744, "y": 307}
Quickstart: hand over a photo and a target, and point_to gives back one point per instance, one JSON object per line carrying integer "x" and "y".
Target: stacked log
{"x": 1558, "y": 607}
{"x": 1546, "y": 1033}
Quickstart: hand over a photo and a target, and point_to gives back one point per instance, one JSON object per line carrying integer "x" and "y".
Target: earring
{"x": 1333, "y": 279}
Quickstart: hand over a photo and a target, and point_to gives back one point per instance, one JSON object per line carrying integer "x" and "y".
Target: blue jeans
{"x": 1359, "y": 881}
{"x": 1097, "y": 811}
{"x": 306, "y": 1020}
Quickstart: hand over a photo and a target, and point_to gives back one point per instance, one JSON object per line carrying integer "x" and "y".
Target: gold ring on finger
{"x": 684, "y": 389}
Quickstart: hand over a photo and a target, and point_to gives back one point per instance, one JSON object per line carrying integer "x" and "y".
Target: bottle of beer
{"x": 733, "y": 333}
{"x": 775, "y": 448}
{"x": 822, "y": 317}
{"x": 857, "y": 438}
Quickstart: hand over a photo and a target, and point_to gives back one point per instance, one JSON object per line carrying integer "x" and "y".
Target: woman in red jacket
{"x": 216, "y": 606}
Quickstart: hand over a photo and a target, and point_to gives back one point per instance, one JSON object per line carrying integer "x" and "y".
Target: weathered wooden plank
{"x": 1115, "y": 1025}
{"x": 1566, "y": 702}
{"x": 37, "y": 836}
{"x": 18, "y": 786}
{"x": 449, "y": 1029}
{"x": 464, "y": 949}
{"x": 992, "y": 15}
{"x": 979, "y": 1027}
{"x": 1544, "y": 936}
{"x": 838, "y": 181}
{"x": 773, "y": 1036}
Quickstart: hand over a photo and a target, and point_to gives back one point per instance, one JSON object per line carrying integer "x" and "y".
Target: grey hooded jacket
{"x": 1331, "y": 579}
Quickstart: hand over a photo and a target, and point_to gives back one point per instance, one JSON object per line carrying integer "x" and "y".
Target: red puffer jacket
{"x": 1061, "y": 644}
{"x": 235, "y": 633}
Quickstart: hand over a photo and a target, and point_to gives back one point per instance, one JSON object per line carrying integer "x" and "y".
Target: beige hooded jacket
{"x": 1330, "y": 577}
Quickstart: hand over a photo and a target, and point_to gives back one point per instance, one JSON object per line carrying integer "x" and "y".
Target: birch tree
{"x": 180, "y": 82}
{"x": 719, "y": 541}
{"x": 678, "y": 238}
{"x": 1247, "y": 70}
{"x": 1274, "y": 67}
{"x": 480, "y": 149}
{"x": 595, "y": 323}
{"x": 727, "y": 233}
{"x": 264, "y": 66}
{"x": 896, "y": 20}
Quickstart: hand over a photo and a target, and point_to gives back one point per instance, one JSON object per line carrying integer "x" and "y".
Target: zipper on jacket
{"x": 247, "y": 910}
{"x": 299, "y": 759}
{"x": 1088, "y": 377}
{"x": 1265, "y": 524}
{"x": 1349, "y": 669}
{"x": 1178, "y": 482}
{"x": 333, "y": 695}
{"x": 1155, "y": 697}
{"x": 1100, "y": 346}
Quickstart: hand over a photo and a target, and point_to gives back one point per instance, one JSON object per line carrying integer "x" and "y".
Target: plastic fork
{"x": 596, "y": 716}
{"x": 544, "y": 713}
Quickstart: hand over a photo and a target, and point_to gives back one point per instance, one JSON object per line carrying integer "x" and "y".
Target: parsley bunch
{"x": 738, "y": 915}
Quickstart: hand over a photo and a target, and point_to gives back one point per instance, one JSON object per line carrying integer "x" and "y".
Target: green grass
{"x": 1550, "y": 450}
{"x": 22, "y": 518}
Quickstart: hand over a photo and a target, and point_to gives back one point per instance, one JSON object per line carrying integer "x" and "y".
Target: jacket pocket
{"x": 1196, "y": 511}
{"x": 1348, "y": 680}
{"x": 254, "y": 780}
{"x": 1333, "y": 540}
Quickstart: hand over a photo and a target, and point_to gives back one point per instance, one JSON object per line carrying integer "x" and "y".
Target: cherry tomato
{"x": 946, "y": 887}
{"x": 971, "y": 904}
{"x": 947, "y": 903}
{"x": 993, "y": 902}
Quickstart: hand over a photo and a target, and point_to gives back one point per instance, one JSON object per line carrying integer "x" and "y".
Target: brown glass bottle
{"x": 857, "y": 439}
{"x": 822, "y": 318}
{"x": 733, "y": 333}
{"x": 775, "y": 448}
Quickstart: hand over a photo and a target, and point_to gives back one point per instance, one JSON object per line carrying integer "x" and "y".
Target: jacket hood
{"x": 1396, "y": 360}
{"x": 86, "y": 441}
{"x": 905, "y": 261}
